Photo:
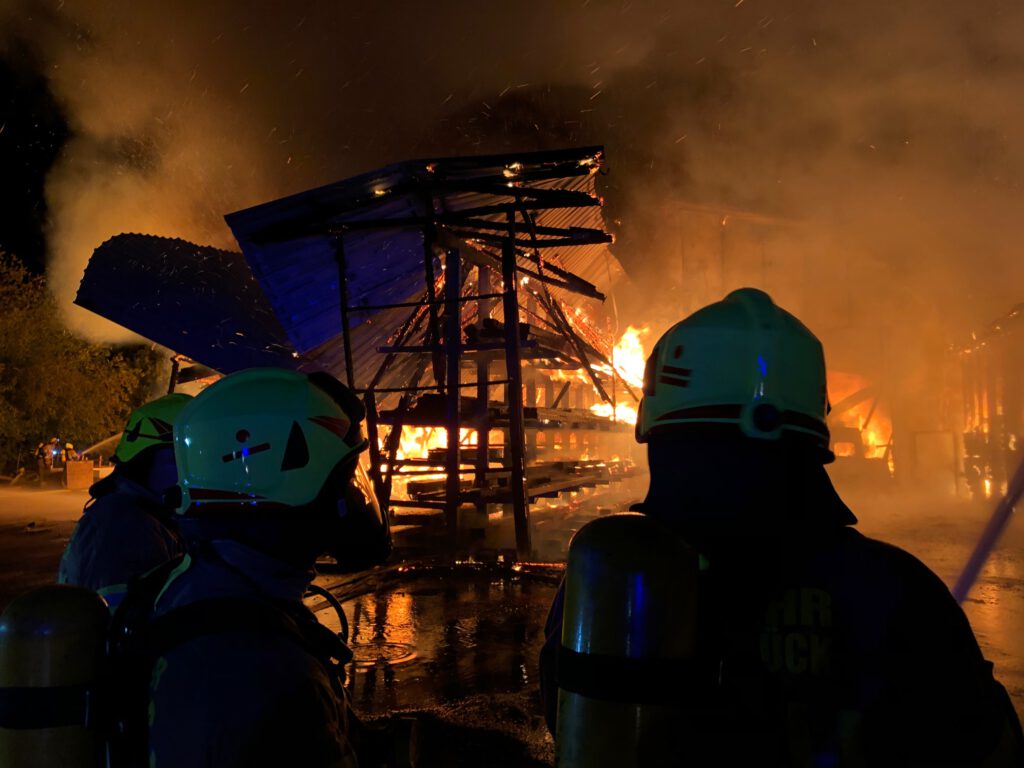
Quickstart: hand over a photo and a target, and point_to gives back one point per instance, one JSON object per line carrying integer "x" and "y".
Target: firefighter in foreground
{"x": 813, "y": 645}
{"x": 267, "y": 461}
{"x": 127, "y": 528}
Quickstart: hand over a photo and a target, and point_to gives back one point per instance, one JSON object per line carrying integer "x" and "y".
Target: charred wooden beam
{"x": 561, "y": 394}
{"x": 453, "y": 345}
{"x": 346, "y": 332}
{"x": 514, "y": 371}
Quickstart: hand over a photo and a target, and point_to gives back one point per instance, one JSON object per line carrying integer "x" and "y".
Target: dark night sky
{"x": 32, "y": 132}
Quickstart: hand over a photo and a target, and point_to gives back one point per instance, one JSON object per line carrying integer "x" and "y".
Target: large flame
{"x": 625, "y": 413}
{"x": 417, "y": 443}
{"x": 629, "y": 357}
{"x": 869, "y": 417}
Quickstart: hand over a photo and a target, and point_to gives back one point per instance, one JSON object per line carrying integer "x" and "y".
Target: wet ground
{"x": 439, "y": 634}
{"x": 458, "y": 645}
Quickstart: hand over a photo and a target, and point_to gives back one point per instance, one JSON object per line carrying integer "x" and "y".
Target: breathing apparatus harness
{"x": 137, "y": 642}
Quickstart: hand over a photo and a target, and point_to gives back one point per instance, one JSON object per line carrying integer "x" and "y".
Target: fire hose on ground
{"x": 990, "y": 537}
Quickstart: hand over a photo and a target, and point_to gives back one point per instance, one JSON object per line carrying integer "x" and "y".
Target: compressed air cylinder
{"x": 52, "y": 654}
{"x": 628, "y": 641}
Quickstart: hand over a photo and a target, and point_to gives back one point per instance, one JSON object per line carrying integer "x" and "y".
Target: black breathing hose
{"x": 333, "y": 601}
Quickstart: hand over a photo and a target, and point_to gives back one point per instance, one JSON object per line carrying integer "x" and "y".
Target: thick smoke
{"x": 864, "y": 157}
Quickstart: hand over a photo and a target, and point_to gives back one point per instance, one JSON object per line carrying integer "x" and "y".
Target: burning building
{"x": 460, "y": 297}
{"x": 992, "y": 369}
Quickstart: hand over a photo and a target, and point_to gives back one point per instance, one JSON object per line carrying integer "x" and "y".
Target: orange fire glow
{"x": 870, "y": 417}
{"x": 629, "y": 359}
{"x": 415, "y": 443}
{"x": 625, "y": 413}
{"x": 629, "y": 356}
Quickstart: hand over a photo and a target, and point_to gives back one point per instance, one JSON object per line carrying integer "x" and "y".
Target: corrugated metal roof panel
{"x": 291, "y": 243}
{"x": 202, "y": 302}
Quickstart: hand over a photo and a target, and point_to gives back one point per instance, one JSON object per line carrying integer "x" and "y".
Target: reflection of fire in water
{"x": 383, "y": 631}
{"x": 857, "y": 407}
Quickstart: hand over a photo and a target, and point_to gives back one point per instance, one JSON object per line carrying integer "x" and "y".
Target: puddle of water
{"x": 433, "y": 636}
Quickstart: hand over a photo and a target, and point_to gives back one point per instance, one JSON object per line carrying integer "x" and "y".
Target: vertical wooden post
{"x": 517, "y": 440}
{"x": 175, "y": 369}
{"x": 376, "y": 476}
{"x": 339, "y": 255}
{"x": 483, "y": 372}
{"x": 530, "y": 383}
{"x": 453, "y": 417}
{"x": 433, "y": 329}
{"x": 1001, "y": 469}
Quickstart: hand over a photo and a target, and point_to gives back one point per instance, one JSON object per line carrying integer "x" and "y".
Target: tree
{"x": 51, "y": 382}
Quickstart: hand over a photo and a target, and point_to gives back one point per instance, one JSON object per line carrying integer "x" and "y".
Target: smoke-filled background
{"x": 862, "y": 161}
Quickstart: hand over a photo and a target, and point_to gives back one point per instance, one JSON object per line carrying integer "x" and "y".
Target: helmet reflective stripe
{"x": 150, "y": 425}
{"x": 263, "y": 437}
{"x": 741, "y": 361}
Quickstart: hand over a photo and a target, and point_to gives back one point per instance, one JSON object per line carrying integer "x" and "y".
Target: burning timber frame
{"x": 404, "y": 261}
{"x": 494, "y": 239}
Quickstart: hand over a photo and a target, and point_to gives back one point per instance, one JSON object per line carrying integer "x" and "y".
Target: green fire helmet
{"x": 150, "y": 425}
{"x": 742, "y": 361}
{"x": 265, "y": 437}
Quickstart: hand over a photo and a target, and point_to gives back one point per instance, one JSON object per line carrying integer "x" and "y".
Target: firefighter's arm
{"x": 942, "y": 701}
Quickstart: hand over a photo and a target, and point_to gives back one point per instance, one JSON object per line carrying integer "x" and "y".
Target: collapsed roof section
{"x": 279, "y": 302}
{"x": 460, "y": 267}
{"x": 202, "y": 302}
{"x": 389, "y": 227}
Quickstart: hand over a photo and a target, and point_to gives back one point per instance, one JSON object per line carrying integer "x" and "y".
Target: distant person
{"x": 45, "y": 453}
{"x": 267, "y": 461}
{"x": 826, "y": 648}
{"x": 69, "y": 453}
{"x": 127, "y": 528}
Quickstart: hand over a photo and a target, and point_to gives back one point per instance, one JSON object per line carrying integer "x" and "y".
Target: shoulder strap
{"x": 135, "y": 610}
{"x": 138, "y": 641}
{"x": 237, "y": 614}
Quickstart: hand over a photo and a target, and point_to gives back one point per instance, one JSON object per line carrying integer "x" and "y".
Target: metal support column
{"x": 453, "y": 416}
{"x": 517, "y": 433}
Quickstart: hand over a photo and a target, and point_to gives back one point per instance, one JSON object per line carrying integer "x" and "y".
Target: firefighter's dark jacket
{"x": 835, "y": 648}
{"x": 125, "y": 531}
{"x": 242, "y": 698}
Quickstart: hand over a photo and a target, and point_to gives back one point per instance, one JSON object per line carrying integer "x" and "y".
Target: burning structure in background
{"x": 992, "y": 370}
{"x": 455, "y": 296}
{"x": 858, "y": 161}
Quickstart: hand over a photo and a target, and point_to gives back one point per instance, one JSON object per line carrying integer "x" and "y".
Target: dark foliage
{"x": 54, "y": 384}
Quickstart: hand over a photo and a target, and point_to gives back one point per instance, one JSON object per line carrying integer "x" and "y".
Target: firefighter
{"x": 267, "y": 462}
{"x": 40, "y": 457}
{"x": 45, "y": 455}
{"x": 69, "y": 453}
{"x": 815, "y": 645}
{"x": 126, "y": 528}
